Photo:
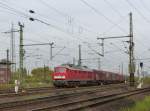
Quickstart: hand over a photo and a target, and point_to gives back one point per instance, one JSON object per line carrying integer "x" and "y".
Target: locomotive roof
{"x": 73, "y": 67}
{"x": 106, "y": 71}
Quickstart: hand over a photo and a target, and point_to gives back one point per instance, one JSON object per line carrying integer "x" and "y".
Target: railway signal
{"x": 141, "y": 65}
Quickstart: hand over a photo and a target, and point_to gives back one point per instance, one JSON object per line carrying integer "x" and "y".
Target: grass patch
{"x": 143, "y": 105}
{"x": 6, "y": 86}
{"x": 37, "y": 85}
{"x": 146, "y": 80}
{"x": 26, "y": 85}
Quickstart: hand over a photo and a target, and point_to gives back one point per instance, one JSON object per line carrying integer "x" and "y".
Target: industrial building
{"x": 5, "y": 72}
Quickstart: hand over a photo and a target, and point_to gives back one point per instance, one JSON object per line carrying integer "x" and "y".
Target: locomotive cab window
{"x": 60, "y": 69}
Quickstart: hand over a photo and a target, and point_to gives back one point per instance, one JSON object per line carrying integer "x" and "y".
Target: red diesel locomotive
{"x": 77, "y": 76}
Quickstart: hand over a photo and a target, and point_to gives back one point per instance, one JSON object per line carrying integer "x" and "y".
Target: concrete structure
{"x": 5, "y": 73}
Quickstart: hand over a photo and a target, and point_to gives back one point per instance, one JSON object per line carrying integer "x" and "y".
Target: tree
{"x": 42, "y": 73}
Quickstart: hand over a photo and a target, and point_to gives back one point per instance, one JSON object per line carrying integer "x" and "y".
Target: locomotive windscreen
{"x": 60, "y": 69}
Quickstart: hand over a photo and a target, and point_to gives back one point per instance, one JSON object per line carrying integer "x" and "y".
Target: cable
{"x": 2, "y": 5}
{"x": 27, "y": 16}
{"x": 20, "y": 14}
{"x": 64, "y": 15}
{"x": 115, "y": 10}
{"x": 139, "y": 12}
{"x": 144, "y": 6}
{"x": 113, "y": 26}
{"x": 121, "y": 16}
{"x": 101, "y": 14}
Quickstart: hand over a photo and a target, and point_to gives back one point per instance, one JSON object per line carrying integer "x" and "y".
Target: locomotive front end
{"x": 59, "y": 76}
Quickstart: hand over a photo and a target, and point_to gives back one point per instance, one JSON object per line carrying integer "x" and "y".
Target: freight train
{"x": 70, "y": 76}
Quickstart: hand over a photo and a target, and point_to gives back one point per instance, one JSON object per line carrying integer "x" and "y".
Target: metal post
{"x": 122, "y": 68}
{"x": 99, "y": 63}
{"x": 21, "y": 52}
{"x": 51, "y": 53}
{"x": 7, "y": 63}
{"x": 119, "y": 69}
{"x": 79, "y": 61}
{"x": 74, "y": 61}
{"x": 131, "y": 55}
{"x": 44, "y": 73}
{"x": 102, "y": 47}
{"x": 12, "y": 48}
{"x": 51, "y": 50}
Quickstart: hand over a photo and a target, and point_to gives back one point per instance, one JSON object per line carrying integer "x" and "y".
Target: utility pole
{"x": 51, "y": 50}
{"x": 119, "y": 69}
{"x": 21, "y": 51}
{"x": 99, "y": 63}
{"x": 131, "y": 54}
{"x": 7, "y": 62}
{"x": 7, "y": 51}
{"x": 122, "y": 68}
{"x": 131, "y": 49}
{"x": 44, "y": 73}
{"x": 79, "y": 61}
{"x": 74, "y": 61}
{"x": 12, "y": 47}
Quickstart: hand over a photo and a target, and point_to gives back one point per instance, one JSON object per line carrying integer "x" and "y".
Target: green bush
{"x": 39, "y": 77}
{"x": 140, "y": 105}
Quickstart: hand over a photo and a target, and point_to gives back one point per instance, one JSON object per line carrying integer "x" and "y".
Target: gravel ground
{"x": 118, "y": 105}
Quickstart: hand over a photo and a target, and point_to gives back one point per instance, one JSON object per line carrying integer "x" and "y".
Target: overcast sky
{"x": 76, "y": 22}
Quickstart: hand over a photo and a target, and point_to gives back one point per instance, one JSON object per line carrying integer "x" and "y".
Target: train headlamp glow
{"x": 59, "y": 77}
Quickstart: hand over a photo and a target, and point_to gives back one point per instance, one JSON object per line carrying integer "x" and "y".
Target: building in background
{"x": 5, "y": 71}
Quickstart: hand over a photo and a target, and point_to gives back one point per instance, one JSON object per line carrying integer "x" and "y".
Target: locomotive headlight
{"x": 59, "y": 77}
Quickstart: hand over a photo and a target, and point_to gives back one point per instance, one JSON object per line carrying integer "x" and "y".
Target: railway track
{"x": 56, "y": 97}
{"x": 31, "y": 91}
{"x": 91, "y": 102}
{"x": 26, "y": 89}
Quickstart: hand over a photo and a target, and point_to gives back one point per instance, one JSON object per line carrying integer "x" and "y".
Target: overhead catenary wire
{"x": 67, "y": 16}
{"x": 64, "y": 15}
{"x": 27, "y": 16}
{"x": 138, "y": 11}
{"x": 112, "y": 7}
{"x": 121, "y": 16}
{"x": 101, "y": 14}
{"x": 5, "y": 6}
{"x": 60, "y": 12}
{"x": 144, "y": 6}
